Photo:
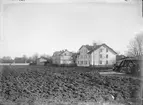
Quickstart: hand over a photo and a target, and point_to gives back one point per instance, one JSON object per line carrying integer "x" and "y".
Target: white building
{"x": 62, "y": 57}
{"x": 96, "y": 55}
{"x": 103, "y": 55}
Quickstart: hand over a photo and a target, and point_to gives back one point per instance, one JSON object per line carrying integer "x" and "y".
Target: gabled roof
{"x": 58, "y": 53}
{"x": 98, "y": 46}
{"x": 42, "y": 59}
{"x": 87, "y": 46}
{"x": 131, "y": 58}
{"x": 67, "y": 51}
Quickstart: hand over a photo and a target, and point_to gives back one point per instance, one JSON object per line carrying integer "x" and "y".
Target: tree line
{"x": 23, "y": 59}
{"x": 135, "y": 49}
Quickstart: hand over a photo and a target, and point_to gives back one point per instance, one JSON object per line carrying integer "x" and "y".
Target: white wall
{"x": 95, "y": 57}
{"x": 112, "y": 58}
{"x": 66, "y": 59}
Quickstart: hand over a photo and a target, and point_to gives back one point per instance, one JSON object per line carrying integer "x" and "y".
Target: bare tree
{"x": 25, "y": 58}
{"x": 35, "y": 57}
{"x": 45, "y": 56}
{"x": 6, "y": 59}
{"x": 135, "y": 47}
{"x": 74, "y": 57}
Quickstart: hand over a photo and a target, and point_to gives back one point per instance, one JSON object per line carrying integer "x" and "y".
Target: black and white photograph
{"x": 71, "y": 52}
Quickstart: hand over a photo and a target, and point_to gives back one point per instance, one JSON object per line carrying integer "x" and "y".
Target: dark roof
{"x": 98, "y": 46}
{"x": 87, "y": 46}
{"x": 95, "y": 48}
{"x": 131, "y": 58}
{"x": 78, "y": 53}
{"x": 43, "y": 58}
{"x": 60, "y": 52}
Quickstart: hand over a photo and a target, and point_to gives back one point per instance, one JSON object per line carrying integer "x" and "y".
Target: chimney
{"x": 94, "y": 45}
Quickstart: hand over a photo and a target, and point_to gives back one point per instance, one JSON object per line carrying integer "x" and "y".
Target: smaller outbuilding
{"x": 41, "y": 61}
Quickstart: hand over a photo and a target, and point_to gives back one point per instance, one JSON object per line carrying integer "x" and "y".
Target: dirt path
{"x": 109, "y": 73}
{"x": 112, "y": 73}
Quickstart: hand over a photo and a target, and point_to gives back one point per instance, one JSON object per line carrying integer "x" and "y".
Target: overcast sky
{"x": 45, "y": 28}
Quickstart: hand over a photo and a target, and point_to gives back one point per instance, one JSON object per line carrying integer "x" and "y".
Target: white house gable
{"x": 66, "y": 57}
{"x": 83, "y": 50}
{"x": 103, "y": 56}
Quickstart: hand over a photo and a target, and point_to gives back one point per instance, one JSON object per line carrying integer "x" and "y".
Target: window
{"x": 106, "y": 56}
{"x": 106, "y": 50}
{"x": 81, "y": 62}
{"x": 100, "y": 56}
{"x": 106, "y": 62}
{"x": 100, "y": 50}
{"x": 85, "y": 62}
{"x": 100, "y": 62}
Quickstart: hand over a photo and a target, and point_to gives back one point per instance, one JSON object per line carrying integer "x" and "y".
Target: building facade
{"x": 62, "y": 57}
{"x": 96, "y": 55}
{"x": 103, "y": 55}
{"x": 83, "y": 57}
{"x": 41, "y": 61}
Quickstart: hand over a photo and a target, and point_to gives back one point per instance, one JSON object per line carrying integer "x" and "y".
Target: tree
{"x": 25, "y": 58}
{"x": 0, "y": 60}
{"x": 45, "y": 56}
{"x": 29, "y": 60}
{"x": 74, "y": 57}
{"x": 135, "y": 47}
{"x": 19, "y": 60}
{"x": 35, "y": 57}
{"x": 48, "y": 57}
{"x": 7, "y": 59}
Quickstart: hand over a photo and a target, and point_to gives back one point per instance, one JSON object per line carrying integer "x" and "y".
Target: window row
{"x": 101, "y": 56}
{"x": 83, "y": 62}
{"x": 102, "y": 50}
{"x": 102, "y": 62}
{"x": 81, "y": 56}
